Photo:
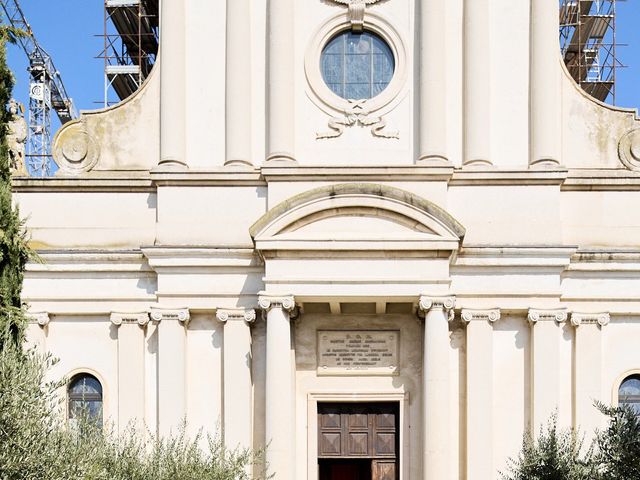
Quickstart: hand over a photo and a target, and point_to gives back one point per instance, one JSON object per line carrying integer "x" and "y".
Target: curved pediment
{"x": 357, "y": 216}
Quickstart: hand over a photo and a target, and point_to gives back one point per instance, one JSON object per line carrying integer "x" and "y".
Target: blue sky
{"x": 67, "y": 29}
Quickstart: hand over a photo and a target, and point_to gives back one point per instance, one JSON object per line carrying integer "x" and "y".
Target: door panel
{"x": 383, "y": 470}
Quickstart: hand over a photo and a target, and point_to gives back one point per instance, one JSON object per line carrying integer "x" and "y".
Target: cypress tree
{"x": 14, "y": 249}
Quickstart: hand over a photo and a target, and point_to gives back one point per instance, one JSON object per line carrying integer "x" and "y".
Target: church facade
{"x": 385, "y": 238}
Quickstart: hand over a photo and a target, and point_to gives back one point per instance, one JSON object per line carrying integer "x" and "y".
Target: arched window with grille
{"x": 85, "y": 398}
{"x": 629, "y": 393}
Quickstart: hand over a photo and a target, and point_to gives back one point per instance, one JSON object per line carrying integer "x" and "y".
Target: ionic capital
{"x": 235, "y": 314}
{"x": 601, "y": 319}
{"x": 558, "y": 315}
{"x": 267, "y": 302}
{"x": 445, "y": 303}
{"x": 118, "y": 318}
{"x": 41, "y": 318}
{"x": 472, "y": 315}
{"x": 165, "y": 314}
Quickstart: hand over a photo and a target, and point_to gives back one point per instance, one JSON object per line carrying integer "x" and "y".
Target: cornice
{"x": 360, "y": 173}
{"x": 496, "y": 176}
{"x": 95, "y": 182}
{"x": 223, "y": 176}
{"x": 601, "y": 180}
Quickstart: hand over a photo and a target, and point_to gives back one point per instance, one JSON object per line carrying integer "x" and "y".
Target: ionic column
{"x": 477, "y": 83}
{"x": 172, "y": 385}
{"x": 172, "y": 84}
{"x": 588, "y": 370}
{"x": 433, "y": 83}
{"x": 131, "y": 380}
{"x": 280, "y": 387}
{"x": 480, "y": 392}
{"x": 237, "y": 398}
{"x": 238, "y": 84}
{"x": 280, "y": 87}
{"x": 37, "y": 330}
{"x": 436, "y": 425}
{"x": 544, "y": 85}
{"x": 546, "y": 333}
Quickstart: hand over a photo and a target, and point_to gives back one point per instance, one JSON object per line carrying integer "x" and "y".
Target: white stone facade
{"x": 200, "y": 234}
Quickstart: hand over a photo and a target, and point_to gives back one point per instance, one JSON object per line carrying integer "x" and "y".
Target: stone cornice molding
{"x": 601, "y": 319}
{"x": 41, "y": 318}
{"x": 248, "y": 315}
{"x": 558, "y": 315}
{"x": 440, "y": 302}
{"x": 267, "y": 302}
{"x": 118, "y": 318}
{"x": 165, "y": 314}
{"x": 472, "y": 315}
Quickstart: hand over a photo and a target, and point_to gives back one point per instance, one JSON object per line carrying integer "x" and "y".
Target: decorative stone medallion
{"x": 74, "y": 150}
{"x": 629, "y": 149}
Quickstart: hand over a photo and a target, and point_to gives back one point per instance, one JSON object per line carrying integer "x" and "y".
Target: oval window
{"x": 357, "y": 66}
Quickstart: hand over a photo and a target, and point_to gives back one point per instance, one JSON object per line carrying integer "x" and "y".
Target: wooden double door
{"x": 358, "y": 441}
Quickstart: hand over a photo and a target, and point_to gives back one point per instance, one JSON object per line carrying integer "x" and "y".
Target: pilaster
{"x": 480, "y": 392}
{"x": 588, "y": 370}
{"x": 131, "y": 376}
{"x": 172, "y": 386}
{"x": 546, "y": 333}
{"x": 237, "y": 384}
{"x": 38, "y": 328}
{"x": 436, "y": 423}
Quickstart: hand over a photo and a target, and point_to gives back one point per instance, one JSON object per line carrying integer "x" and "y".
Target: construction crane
{"x": 46, "y": 93}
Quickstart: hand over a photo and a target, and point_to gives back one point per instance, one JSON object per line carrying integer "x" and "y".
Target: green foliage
{"x": 554, "y": 455}
{"x": 35, "y": 443}
{"x": 618, "y": 447}
{"x": 14, "y": 250}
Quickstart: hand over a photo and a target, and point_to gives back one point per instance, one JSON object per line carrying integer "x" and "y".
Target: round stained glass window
{"x": 357, "y": 66}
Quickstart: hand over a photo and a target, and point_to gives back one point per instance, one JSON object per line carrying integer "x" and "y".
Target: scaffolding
{"x": 130, "y": 45}
{"x": 588, "y": 45}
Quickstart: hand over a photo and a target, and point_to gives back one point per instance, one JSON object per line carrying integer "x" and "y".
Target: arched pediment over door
{"x": 356, "y": 239}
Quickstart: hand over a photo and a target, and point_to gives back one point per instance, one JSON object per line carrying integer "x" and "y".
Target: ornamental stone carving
{"x": 471, "y": 315}
{"x": 74, "y": 150}
{"x": 141, "y": 318}
{"x": 558, "y": 315}
{"x": 446, "y": 303}
{"x": 235, "y": 314}
{"x": 601, "y": 319}
{"x": 356, "y": 12}
{"x": 41, "y": 318}
{"x": 286, "y": 302}
{"x": 165, "y": 314}
{"x": 629, "y": 149}
{"x": 17, "y": 138}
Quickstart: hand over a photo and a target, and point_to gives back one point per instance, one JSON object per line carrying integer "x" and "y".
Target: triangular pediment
{"x": 357, "y": 217}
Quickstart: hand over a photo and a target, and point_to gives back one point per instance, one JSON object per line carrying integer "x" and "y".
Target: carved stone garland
{"x": 357, "y": 113}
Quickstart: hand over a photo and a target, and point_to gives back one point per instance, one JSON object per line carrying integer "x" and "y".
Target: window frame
{"x": 68, "y": 397}
{"x": 635, "y": 398}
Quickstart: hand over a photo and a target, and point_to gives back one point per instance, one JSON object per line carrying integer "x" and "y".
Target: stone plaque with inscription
{"x": 358, "y": 352}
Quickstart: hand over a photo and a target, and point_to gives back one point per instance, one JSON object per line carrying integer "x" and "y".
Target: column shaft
{"x": 280, "y": 389}
{"x": 435, "y": 387}
{"x": 433, "y": 83}
{"x": 544, "y": 85}
{"x": 172, "y": 84}
{"x": 238, "y": 84}
{"x": 477, "y": 83}
{"x": 238, "y": 407}
{"x": 280, "y": 88}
